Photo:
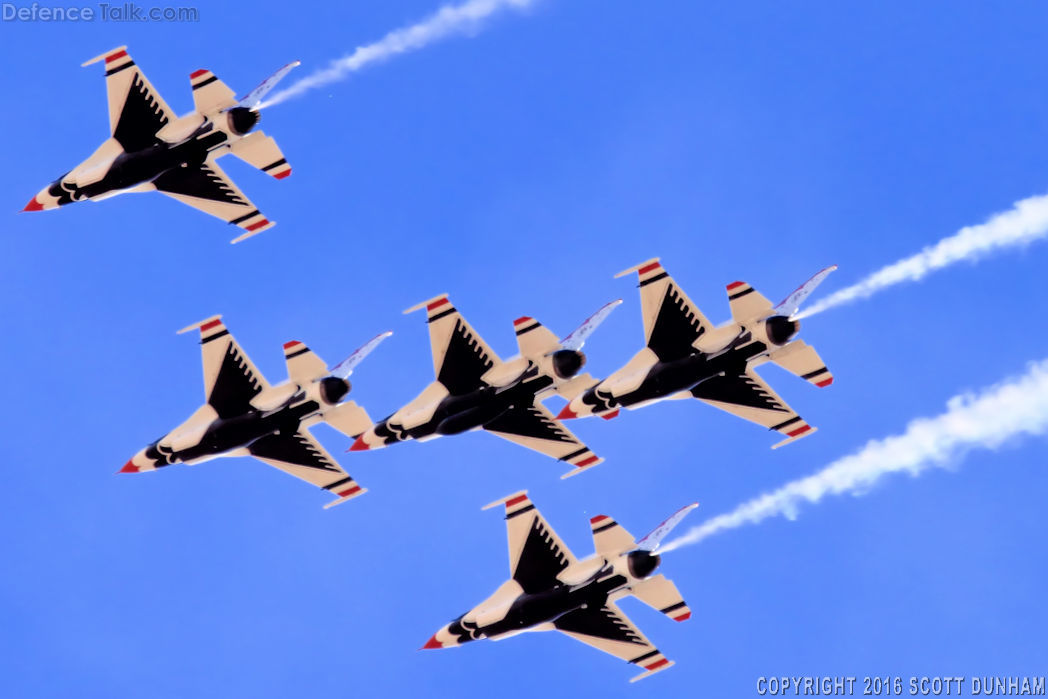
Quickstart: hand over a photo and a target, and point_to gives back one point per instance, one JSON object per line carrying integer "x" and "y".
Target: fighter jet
{"x": 549, "y": 589}
{"x": 476, "y": 390}
{"x": 149, "y": 148}
{"x": 243, "y": 415}
{"x": 687, "y": 357}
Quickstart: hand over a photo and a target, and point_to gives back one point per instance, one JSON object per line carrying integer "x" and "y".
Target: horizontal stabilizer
{"x": 609, "y": 537}
{"x": 746, "y": 303}
{"x": 801, "y": 359}
{"x": 660, "y": 593}
{"x": 303, "y": 365}
{"x": 262, "y": 151}
{"x": 348, "y": 418}
{"x": 534, "y": 339}
{"x": 209, "y": 93}
{"x": 792, "y": 303}
{"x": 254, "y": 98}
{"x": 345, "y": 368}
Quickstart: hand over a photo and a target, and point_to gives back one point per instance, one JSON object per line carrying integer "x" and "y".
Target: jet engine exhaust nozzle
{"x": 242, "y": 119}
{"x": 642, "y": 564}
{"x": 780, "y": 329}
{"x": 567, "y": 362}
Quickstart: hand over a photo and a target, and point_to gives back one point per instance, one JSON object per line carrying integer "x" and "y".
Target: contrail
{"x": 1024, "y": 223}
{"x": 448, "y": 20}
{"x": 1016, "y": 407}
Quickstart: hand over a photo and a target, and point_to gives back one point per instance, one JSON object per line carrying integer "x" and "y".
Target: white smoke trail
{"x": 1024, "y": 223}
{"x": 448, "y": 20}
{"x": 999, "y": 413}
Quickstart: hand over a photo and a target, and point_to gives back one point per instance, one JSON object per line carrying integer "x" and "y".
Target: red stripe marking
{"x": 286, "y": 173}
{"x": 352, "y": 490}
{"x": 197, "y": 73}
{"x": 827, "y": 382}
{"x": 735, "y": 285}
{"x": 210, "y": 324}
{"x": 598, "y": 518}
{"x": 587, "y": 461}
{"x": 682, "y": 617}
{"x": 522, "y": 319}
{"x": 612, "y": 415}
{"x": 113, "y": 56}
{"x": 799, "y": 430}
{"x": 437, "y": 304}
{"x": 516, "y": 501}
{"x": 256, "y": 226}
{"x": 647, "y": 268}
{"x": 657, "y": 664}
{"x": 289, "y": 345}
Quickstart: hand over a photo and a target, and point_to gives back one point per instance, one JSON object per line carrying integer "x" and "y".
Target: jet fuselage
{"x": 667, "y": 378}
{"x": 205, "y": 435}
{"x": 129, "y": 169}
{"x": 461, "y": 413}
{"x": 503, "y": 616}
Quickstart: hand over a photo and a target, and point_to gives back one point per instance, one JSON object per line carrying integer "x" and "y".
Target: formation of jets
{"x": 684, "y": 356}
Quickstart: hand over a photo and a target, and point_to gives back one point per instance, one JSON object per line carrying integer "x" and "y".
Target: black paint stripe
{"x": 786, "y": 424}
{"x": 639, "y": 658}
{"x": 214, "y": 337}
{"x": 297, "y": 353}
{"x": 673, "y": 607}
{"x": 205, "y": 82}
{"x": 278, "y": 163}
{"x": 238, "y": 221}
{"x": 813, "y": 374}
{"x": 573, "y": 454}
{"x": 527, "y": 329}
{"x": 347, "y": 479}
{"x": 654, "y": 279}
{"x": 605, "y": 527}
{"x": 117, "y": 70}
{"x": 521, "y": 511}
{"x": 740, "y": 294}
{"x": 442, "y": 314}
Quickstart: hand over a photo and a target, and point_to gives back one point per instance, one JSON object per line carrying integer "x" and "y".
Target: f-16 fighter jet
{"x": 476, "y": 390}
{"x": 243, "y": 415}
{"x": 687, "y": 357}
{"x": 549, "y": 589}
{"x": 150, "y": 148}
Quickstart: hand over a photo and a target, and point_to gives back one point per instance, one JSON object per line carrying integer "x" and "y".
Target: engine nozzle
{"x": 567, "y": 363}
{"x": 334, "y": 389}
{"x": 242, "y": 119}
{"x": 780, "y": 329}
{"x": 642, "y": 563}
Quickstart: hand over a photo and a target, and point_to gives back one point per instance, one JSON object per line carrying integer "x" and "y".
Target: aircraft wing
{"x": 536, "y": 554}
{"x": 534, "y": 427}
{"x": 749, "y": 397}
{"x": 136, "y": 109}
{"x": 460, "y": 356}
{"x": 301, "y": 455}
{"x": 231, "y": 380}
{"x": 210, "y": 190}
{"x": 672, "y": 323}
{"x": 608, "y": 629}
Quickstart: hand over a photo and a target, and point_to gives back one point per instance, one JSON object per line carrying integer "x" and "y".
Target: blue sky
{"x": 518, "y": 170}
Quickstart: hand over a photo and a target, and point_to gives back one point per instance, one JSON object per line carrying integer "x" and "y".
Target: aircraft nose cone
{"x": 359, "y": 445}
{"x": 432, "y": 643}
{"x": 567, "y": 413}
{"x": 129, "y": 467}
{"x": 33, "y": 205}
